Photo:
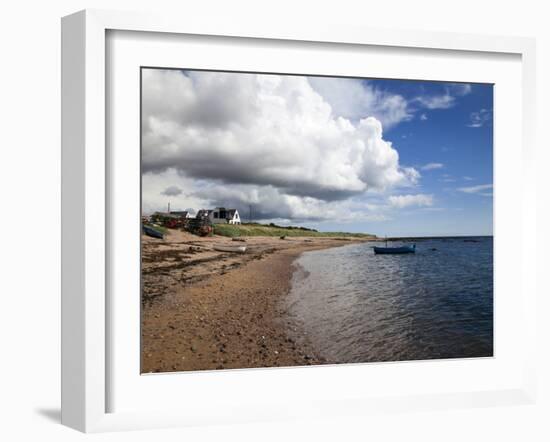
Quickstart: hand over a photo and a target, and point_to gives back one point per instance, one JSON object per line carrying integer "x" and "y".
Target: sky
{"x": 389, "y": 157}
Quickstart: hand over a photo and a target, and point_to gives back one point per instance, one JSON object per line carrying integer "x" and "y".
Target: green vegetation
{"x": 255, "y": 229}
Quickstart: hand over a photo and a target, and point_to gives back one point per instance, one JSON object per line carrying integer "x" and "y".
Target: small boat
{"x": 149, "y": 231}
{"x": 234, "y": 249}
{"x": 394, "y": 250}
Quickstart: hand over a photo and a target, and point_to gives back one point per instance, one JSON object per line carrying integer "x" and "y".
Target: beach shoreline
{"x": 207, "y": 310}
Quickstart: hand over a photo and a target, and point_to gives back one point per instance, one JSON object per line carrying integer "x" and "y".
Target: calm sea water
{"x": 356, "y": 306}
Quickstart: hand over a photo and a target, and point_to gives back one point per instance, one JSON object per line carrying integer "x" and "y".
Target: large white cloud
{"x": 273, "y": 134}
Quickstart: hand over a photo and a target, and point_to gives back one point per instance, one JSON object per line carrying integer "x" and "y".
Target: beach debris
{"x": 238, "y": 239}
{"x": 200, "y": 225}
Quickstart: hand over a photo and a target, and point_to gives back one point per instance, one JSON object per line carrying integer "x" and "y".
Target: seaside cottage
{"x": 221, "y": 215}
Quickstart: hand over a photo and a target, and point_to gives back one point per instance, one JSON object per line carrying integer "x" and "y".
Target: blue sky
{"x": 451, "y": 144}
{"x": 390, "y": 157}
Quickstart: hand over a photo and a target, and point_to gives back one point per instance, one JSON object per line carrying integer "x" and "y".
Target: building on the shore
{"x": 220, "y": 215}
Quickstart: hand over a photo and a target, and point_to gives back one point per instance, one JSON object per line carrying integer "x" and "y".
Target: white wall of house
{"x": 236, "y": 218}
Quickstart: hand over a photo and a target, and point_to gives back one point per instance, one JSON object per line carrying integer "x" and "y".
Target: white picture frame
{"x": 85, "y": 196}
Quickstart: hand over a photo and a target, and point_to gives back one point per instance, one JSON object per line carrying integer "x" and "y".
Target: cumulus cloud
{"x": 172, "y": 191}
{"x": 356, "y": 99}
{"x": 232, "y": 135}
{"x": 432, "y": 166}
{"x": 419, "y": 200}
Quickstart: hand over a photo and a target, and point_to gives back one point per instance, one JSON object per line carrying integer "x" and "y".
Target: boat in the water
{"x": 394, "y": 250}
{"x": 234, "y": 249}
{"x": 149, "y": 231}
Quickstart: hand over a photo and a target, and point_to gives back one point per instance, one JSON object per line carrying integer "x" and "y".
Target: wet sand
{"x": 206, "y": 310}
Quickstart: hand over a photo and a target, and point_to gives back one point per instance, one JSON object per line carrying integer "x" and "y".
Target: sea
{"x": 355, "y": 306}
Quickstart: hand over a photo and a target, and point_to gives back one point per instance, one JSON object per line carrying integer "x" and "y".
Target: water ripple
{"x": 359, "y": 307}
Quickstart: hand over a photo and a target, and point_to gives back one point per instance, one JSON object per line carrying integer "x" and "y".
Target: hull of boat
{"x": 233, "y": 249}
{"x": 394, "y": 250}
{"x": 149, "y": 231}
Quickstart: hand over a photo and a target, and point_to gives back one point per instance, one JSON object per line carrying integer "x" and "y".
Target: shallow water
{"x": 356, "y": 306}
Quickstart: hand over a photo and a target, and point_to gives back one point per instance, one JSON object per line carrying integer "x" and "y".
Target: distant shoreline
{"x": 423, "y": 238}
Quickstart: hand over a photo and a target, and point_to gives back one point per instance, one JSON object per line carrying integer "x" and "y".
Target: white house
{"x": 233, "y": 216}
{"x": 221, "y": 215}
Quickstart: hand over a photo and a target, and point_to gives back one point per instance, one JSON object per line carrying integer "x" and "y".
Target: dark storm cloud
{"x": 172, "y": 191}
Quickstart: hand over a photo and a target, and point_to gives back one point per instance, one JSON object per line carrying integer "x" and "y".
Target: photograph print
{"x": 299, "y": 220}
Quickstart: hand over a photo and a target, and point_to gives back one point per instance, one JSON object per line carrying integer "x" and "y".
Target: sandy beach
{"x": 204, "y": 310}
